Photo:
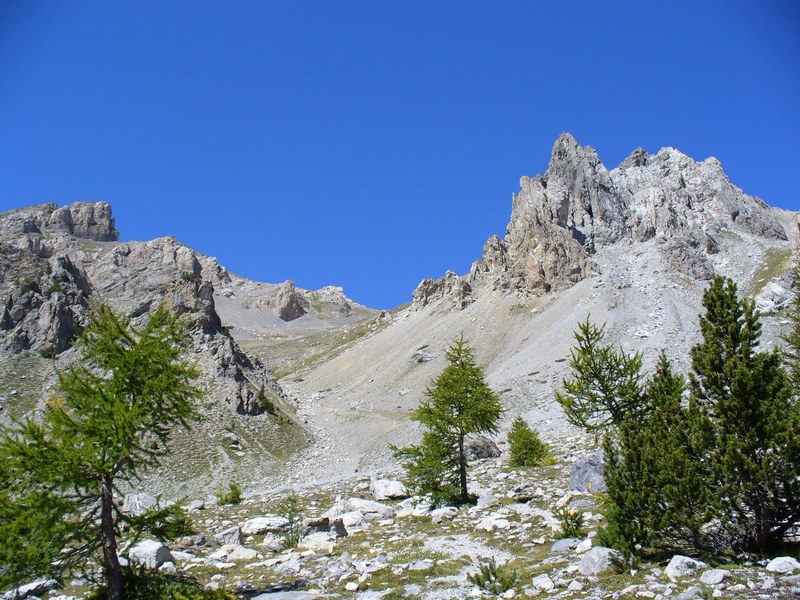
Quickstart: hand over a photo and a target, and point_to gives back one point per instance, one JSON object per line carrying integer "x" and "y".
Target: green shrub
{"x": 572, "y": 522}
{"x": 232, "y": 496}
{"x": 494, "y": 578}
{"x": 526, "y": 449}
{"x": 290, "y": 510}
{"x": 53, "y": 288}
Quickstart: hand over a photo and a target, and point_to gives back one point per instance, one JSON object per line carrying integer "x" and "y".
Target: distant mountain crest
{"x": 559, "y": 221}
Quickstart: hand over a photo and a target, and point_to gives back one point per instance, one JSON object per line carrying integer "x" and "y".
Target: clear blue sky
{"x": 371, "y": 144}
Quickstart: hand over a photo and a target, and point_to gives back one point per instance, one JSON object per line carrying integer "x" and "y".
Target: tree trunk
{"x": 462, "y": 471}
{"x": 112, "y": 566}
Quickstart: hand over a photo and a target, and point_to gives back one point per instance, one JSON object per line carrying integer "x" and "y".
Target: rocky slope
{"x": 55, "y": 261}
{"x": 632, "y": 247}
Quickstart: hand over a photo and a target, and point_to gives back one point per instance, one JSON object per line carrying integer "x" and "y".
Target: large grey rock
{"x": 564, "y": 545}
{"x": 139, "y": 503}
{"x": 586, "y": 474}
{"x": 387, "y": 489}
{"x": 150, "y": 554}
{"x": 597, "y": 560}
{"x": 783, "y": 564}
{"x": 229, "y": 536}
{"x": 369, "y": 510}
{"x": 715, "y": 576}
{"x": 34, "y": 589}
{"x": 480, "y": 447}
{"x": 265, "y": 524}
{"x": 683, "y": 566}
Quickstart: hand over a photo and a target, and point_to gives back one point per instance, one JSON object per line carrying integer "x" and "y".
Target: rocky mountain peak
{"x": 561, "y": 220}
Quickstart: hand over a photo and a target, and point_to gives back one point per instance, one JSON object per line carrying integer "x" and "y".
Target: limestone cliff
{"x": 562, "y": 219}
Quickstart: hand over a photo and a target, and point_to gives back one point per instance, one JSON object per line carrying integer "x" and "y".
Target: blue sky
{"x": 370, "y": 144}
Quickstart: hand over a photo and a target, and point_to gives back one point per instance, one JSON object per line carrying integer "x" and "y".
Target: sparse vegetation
{"x": 290, "y": 510}
{"x": 139, "y": 584}
{"x": 232, "y": 496}
{"x": 572, "y": 522}
{"x": 494, "y": 578}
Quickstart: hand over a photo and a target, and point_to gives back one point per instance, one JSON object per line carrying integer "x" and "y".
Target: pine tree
{"x": 458, "y": 403}
{"x": 605, "y": 384}
{"x": 114, "y": 415}
{"x": 524, "y": 446}
{"x": 750, "y": 419}
{"x": 655, "y": 480}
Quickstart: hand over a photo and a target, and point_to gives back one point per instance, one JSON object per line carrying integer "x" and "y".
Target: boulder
{"x": 232, "y": 535}
{"x": 715, "y": 576}
{"x": 683, "y": 566}
{"x": 387, "y": 489}
{"x": 480, "y": 447}
{"x": 266, "y": 524}
{"x": 139, "y": 503}
{"x": 543, "y": 582}
{"x": 783, "y": 564}
{"x": 232, "y": 553}
{"x": 586, "y": 474}
{"x": 369, "y": 510}
{"x": 597, "y": 560}
{"x": 321, "y": 543}
{"x": 273, "y": 543}
{"x": 149, "y": 554}
{"x": 564, "y": 545}
{"x": 447, "y": 513}
{"x": 30, "y": 590}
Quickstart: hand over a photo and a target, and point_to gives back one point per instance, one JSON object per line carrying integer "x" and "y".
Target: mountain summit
{"x": 560, "y": 220}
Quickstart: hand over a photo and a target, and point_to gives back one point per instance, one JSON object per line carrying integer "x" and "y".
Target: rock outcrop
{"x": 560, "y": 220}
{"x": 53, "y": 261}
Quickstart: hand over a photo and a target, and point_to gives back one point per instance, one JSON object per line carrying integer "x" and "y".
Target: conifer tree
{"x": 749, "y": 418}
{"x": 458, "y": 403}
{"x": 655, "y": 481}
{"x": 524, "y": 446}
{"x": 606, "y": 381}
{"x": 60, "y": 474}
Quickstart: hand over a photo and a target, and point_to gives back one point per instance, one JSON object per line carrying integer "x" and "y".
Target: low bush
{"x": 526, "y": 449}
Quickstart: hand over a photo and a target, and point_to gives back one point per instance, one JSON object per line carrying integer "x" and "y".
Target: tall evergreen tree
{"x": 114, "y": 415}
{"x": 457, "y": 404}
{"x": 655, "y": 480}
{"x": 606, "y": 381}
{"x": 750, "y": 420}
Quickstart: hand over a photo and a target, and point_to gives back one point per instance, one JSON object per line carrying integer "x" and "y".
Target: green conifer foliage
{"x": 655, "y": 482}
{"x": 749, "y": 418}
{"x": 524, "y": 446}
{"x": 112, "y": 419}
{"x": 458, "y": 403}
{"x": 606, "y": 381}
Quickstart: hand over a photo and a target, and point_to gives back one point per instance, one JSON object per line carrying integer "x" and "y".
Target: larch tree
{"x": 458, "y": 403}
{"x": 111, "y": 419}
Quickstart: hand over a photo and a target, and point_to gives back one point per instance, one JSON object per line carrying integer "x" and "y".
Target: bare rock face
{"x": 47, "y": 279}
{"x": 89, "y": 220}
{"x": 288, "y": 304}
{"x": 560, "y": 220}
{"x": 451, "y": 289}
